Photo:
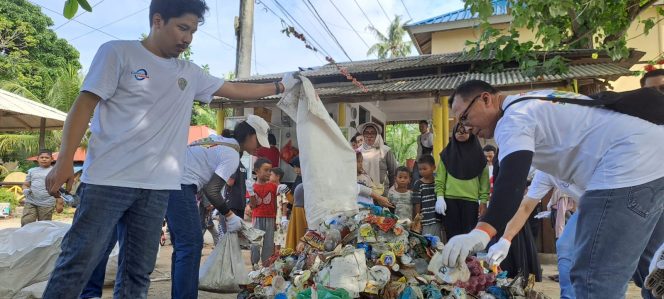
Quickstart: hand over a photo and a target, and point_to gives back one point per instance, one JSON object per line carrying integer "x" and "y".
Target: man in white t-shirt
{"x": 141, "y": 95}
{"x": 609, "y": 154}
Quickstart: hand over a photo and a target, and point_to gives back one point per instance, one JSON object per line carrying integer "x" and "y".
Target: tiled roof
{"x": 499, "y": 8}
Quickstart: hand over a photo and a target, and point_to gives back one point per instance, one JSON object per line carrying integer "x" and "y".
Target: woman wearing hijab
{"x": 378, "y": 159}
{"x": 462, "y": 183}
{"x": 297, "y": 226}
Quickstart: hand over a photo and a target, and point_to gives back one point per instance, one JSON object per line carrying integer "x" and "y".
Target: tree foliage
{"x": 31, "y": 54}
{"x": 558, "y": 25}
{"x": 402, "y": 139}
{"x": 392, "y": 45}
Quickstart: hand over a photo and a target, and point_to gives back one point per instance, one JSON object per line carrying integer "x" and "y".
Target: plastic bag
{"x": 288, "y": 152}
{"x": 323, "y": 150}
{"x": 224, "y": 270}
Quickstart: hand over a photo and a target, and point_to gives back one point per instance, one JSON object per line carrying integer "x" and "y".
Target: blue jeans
{"x": 138, "y": 215}
{"x": 617, "y": 233}
{"x": 184, "y": 223}
{"x": 565, "y": 252}
{"x": 95, "y": 285}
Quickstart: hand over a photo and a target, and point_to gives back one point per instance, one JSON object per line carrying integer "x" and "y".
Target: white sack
{"x": 28, "y": 254}
{"x": 224, "y": 270}
{"x": 327, "y": 160}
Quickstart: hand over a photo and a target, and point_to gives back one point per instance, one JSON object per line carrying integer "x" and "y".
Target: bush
{"x": 8, "y": 196}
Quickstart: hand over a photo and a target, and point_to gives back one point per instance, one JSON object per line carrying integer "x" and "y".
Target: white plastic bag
{"x": 28, "y": 254}
{"x": 224, "y": 270}
{"x": 323, "y": 151}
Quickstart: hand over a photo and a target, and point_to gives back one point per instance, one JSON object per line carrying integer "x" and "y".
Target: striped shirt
{"x": 425, "y": 195}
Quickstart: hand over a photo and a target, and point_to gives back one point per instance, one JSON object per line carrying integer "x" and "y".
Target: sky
{"x": 273, "y": 51}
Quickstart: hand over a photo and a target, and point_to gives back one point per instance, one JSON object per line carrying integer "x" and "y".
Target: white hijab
{"x": 372, "y": 154}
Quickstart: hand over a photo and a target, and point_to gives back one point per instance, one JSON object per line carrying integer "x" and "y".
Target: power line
{"x": 408, "y": 12}
{"x": 293, "y": 20}
{"x": 76, "y": 16}
{"x": 109, "y": 24}
{"x": 349, "y": 24}
{"x": 364, "y": 14}
{"x": 385, "y": 13}
{"x": 218, "y": 39}
{"x": 320, "y": 19}
{"x": 77, "y": 21}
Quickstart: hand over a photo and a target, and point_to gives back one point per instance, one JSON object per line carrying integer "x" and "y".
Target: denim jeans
{"x": 565, "y": 252}
{"x": 95, "y": 286}
{"x": 184, "y": 224}
{"x": 138, "y": 215}
{"x": 617, "y": 233}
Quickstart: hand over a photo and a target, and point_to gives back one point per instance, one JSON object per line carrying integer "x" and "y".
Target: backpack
{"x": 644, "y": 103}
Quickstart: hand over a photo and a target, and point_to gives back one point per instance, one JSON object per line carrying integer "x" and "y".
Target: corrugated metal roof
{"x": 400, "y": 63}
{"x": 448, "y": 82}
{"x": 499, "y": 8}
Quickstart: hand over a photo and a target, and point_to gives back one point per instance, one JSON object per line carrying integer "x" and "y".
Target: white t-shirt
{"x": 543, "y": 182}
{"x": 201, "y": 163}
{"x": 593, "y": 148}
{"x": 139, "y": 128}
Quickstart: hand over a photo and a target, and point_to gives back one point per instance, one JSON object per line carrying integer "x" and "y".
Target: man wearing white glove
{"x": 460, "y": 247}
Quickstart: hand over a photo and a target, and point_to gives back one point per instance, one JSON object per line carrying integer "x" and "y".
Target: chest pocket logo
{"x": 140, "y": 74}
{"x": 182, "y": 83}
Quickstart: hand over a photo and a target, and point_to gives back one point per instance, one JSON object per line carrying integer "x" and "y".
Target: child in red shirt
{"x": 264, "y": 210}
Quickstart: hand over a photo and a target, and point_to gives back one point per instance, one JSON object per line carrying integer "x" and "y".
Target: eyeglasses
{"x": 464, "y": 115}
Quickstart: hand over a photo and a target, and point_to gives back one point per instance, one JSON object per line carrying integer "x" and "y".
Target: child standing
{"x": 367, "y": 190}
{"x": 39, "y": 205}
{"x": 400, "y": 196}
{"x": 424, "y": 198}
{"x": 263, "y": 203}
{"x": 276, "y": 174}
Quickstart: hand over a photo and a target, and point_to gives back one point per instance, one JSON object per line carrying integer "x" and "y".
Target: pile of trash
{"x": 376, "y": 255}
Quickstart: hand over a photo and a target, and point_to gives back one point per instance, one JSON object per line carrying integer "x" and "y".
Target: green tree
{"x": 402, "y": 139}
{"x": 31, "y": 54}
{"x": 558, "y": 25}
{"x": 392, "y": 45}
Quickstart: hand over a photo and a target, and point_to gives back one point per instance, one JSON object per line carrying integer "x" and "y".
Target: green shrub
{"x": 8, "y": 196}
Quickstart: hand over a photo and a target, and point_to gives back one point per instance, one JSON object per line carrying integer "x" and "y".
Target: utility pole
{"x": 244, "y": 29}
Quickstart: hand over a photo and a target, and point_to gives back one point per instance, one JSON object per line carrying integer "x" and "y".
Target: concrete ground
{"x": 161, "y": 285}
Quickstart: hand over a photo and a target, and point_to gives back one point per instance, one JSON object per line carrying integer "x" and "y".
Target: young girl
{"x": 368, "y": 191}
{"x": 399, "y": 195}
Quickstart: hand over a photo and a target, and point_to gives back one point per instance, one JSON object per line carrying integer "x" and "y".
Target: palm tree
{"x": 392, "y": 45}
{"x": 402, "y": 139}
{"x": 61, "y": 96}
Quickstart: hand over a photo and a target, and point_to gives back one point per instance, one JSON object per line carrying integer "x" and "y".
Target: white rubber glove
{"x": 498, "y": 252}
{"x": 284, "y": 222}
{"x": 233, "y": 223}
{"x": 26, "y": 191}
{"x": 441, "y": 206}
{"x": 459, "y": 247}
{"x": 289, "y": 80}
{"x": 282, "y": 189}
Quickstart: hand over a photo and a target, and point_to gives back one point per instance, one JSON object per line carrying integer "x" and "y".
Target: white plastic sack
{"x": 348, "y": 272}
{"x": 323, "y": 151}
{"x": 224, "y": 270}
{"x": 35, "y": 291}
{"x": 28, "y": 254}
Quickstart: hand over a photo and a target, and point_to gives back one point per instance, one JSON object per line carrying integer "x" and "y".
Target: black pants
{"x": 460, "y": 217}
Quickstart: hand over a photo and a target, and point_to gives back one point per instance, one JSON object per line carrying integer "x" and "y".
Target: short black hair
{"x": 402, "y": 169}
{"x": 278, "y": 172}
{"x": 423, "y": 122}
{"x": 650, "y": 74}
{"x": 242, "y": 131}
{"x": 295, "y": 162}
{"x": 176, "y": 8}
{"x": 271, "y": 139}
{"x": 427, "y": 159}
{"x": 260, "y": 162}
{"x": 471, "y": 88}
{"x": 45, "y": 151}
{"x": 489, "y": 148}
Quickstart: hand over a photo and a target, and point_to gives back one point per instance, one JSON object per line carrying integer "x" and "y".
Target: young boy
{"x": 424, "y": 197}
{"x": 400, "y": 196}
{"x": 276, "y": 174}
{"x": 39, "y": 205}
{"x": 141, "y": 95}
{"x": 264, "y": 210}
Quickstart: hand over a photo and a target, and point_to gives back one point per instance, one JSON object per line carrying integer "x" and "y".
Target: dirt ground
{"x": 161, "y": 284}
